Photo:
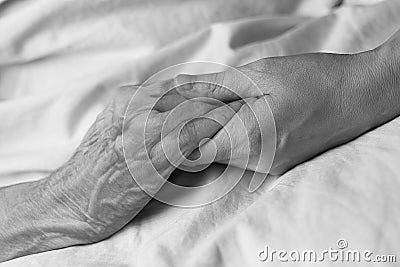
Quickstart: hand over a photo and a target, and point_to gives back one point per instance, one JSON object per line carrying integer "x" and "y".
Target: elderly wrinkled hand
{"x": 143, "y": 131}
{"x": 317, "y": 101}
{"x": 93, "y": 195}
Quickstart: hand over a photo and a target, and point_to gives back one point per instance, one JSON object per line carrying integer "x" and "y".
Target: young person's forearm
{"x": 372, "y": 91}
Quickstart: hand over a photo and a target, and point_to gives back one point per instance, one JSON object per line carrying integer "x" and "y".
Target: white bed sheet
{"x": 61, "y": 60}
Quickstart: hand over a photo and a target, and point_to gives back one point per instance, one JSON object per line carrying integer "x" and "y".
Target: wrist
{"x": 83, "y": 186}
{"x": 33, "y": 220}
{"x": 97, "y": 185}
{"x": 375, "y": 85}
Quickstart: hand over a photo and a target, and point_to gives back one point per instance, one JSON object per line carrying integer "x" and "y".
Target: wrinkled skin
{"x": 307, "y": 94}
{"x": 93, "y": 195}
{"x": 103, "y": 188}
{"x": 318, "y": 101}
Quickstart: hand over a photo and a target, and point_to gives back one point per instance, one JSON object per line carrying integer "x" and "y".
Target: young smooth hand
{"x": 318, "y": 101}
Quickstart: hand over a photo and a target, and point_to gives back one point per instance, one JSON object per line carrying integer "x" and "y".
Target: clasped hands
{"x": 316, "y": 101}
{"x": 102, "y": 186}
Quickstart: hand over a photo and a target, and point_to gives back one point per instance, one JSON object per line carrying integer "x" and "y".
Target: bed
{"x": 60, "y": 62}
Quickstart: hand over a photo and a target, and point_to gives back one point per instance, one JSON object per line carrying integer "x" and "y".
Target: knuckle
{"x": 184, "y": 81}
{"x": 216, "y": 83}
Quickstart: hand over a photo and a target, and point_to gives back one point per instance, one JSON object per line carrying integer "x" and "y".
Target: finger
{"x": 167, "y": 97}
{"x": 187, "y": 110}
{"x": 148, "y": 95}
{"x": 237, "y": 141}
{"x": 248, "y": 140}
{"x": 187, "y": 87}
{"x": 225, "y": 86}
{"x": 207, "y": 126}
{"x": 181, "y": 141}
{"x": 169, "y": 101}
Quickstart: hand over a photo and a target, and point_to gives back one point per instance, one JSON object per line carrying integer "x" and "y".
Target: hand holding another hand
{"x": 299, "y": 106}
{"x": 93, "y": 195}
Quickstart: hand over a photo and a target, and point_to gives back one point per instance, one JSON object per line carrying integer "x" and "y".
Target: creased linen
{"x": 60, "y": 61}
